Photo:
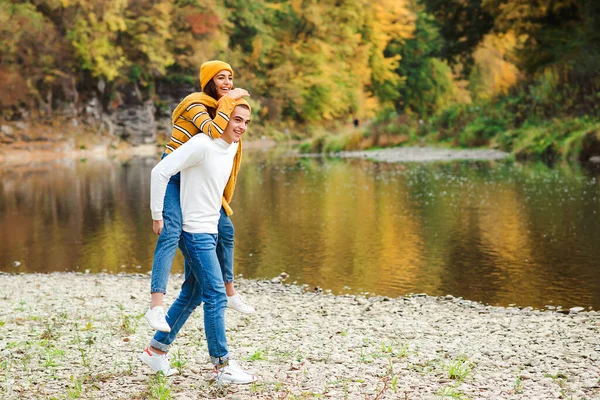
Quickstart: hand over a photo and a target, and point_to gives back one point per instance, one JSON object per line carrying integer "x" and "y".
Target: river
{"x": 499, "y": 232}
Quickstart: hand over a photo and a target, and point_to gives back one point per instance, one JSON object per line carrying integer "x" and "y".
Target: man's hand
{"x": 157, "y": 226}
{"x": 237, "y": 93}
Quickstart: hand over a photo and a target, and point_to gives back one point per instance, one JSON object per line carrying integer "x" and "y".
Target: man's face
{"x": 238, "y": 122}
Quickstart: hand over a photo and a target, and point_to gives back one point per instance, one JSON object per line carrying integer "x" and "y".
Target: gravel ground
{"x": 69, "y": 335}
{"x": 423, "y": 154}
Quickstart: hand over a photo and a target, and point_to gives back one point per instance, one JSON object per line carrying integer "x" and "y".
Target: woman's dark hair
{"x": 211, "y": 89}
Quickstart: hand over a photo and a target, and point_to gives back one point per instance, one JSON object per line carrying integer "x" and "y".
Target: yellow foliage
{"x": 389, "y": 20}
{"x": 492, "y": 73}
{"x": 297, "y": 6}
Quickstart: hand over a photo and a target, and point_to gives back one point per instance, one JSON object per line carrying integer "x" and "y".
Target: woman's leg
{"x": 164, "y": 253}
{"x": 225, "y": 256}
{"x": 190, "y": 297}
{"x": 225, "y": 250}
{"x": 168, "y": 240}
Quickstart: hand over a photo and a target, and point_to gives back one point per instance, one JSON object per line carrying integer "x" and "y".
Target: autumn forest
{"x": 513, "y": 74}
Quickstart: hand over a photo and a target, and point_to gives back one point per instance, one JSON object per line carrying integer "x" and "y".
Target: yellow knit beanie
{"x": 240, "y": 101}
{"x": 209, "y": 69}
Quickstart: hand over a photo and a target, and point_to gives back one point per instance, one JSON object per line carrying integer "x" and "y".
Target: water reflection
{"x": 494, "y": 232}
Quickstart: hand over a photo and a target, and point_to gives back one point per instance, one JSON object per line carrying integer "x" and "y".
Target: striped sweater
{"x": 191, "y": 117}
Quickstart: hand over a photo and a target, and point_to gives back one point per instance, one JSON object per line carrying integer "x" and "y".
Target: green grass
{"x": 257, "y": 355}
{"x": 450, "y": 392}
{"x": 459, "y": 369}
{"x": 159, "y": 388}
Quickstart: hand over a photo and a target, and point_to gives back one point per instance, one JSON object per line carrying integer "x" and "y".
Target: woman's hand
{"x": 237, "y": 93}
{"x": 157, "y": 226}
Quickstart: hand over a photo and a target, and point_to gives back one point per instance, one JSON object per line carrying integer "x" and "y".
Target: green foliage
{"x": 463, "y": 24}
{"x": 555, "y": 33}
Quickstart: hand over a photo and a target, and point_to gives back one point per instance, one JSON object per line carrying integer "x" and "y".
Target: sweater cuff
{"x": 225, "y": 104}
{"x": 157, "y": 215}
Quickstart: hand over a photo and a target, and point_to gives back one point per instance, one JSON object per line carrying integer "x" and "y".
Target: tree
{"x": 463, "y": 24}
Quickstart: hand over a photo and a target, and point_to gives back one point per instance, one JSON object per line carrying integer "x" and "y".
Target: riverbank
{"x": 567, "y": 139}
{"x": 425, "y": 154}
{"x": 69, "y": 335}
{"x": 45, "y": 151}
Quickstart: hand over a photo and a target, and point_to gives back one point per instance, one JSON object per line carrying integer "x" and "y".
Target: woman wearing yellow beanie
{"x": 207, "y": 112}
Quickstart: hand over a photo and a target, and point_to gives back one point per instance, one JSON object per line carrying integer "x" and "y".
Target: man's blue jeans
{"x": 203, "y": 283}
{"x": 170, "y": 236}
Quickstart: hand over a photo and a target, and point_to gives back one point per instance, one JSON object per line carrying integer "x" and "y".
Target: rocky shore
{"x": 70, "y": 335}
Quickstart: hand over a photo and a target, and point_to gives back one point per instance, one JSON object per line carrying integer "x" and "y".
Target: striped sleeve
{"x": 196, "y": 118}
{"x": 201, "y": 119}
{"x": 183, "y": 130}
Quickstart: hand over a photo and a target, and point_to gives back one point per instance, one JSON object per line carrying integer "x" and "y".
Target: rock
{"x": 7, "y": 130}
{"x": 20, "y": 125}
{"x": 594, "y": 159}
{"x": 136, "y": 123}
{"x": 576, "y": 310}
{"x": 16, "y": 263}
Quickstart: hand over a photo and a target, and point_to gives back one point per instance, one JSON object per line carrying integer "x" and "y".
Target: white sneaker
{"x": 232, "y": 373}
{"x": 158, "y": 362}
{"x": 238, "y": 303}
{"x": 156, "y": 317}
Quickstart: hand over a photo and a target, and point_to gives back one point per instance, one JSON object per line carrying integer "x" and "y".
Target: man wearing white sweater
{"x": 205, "y": 165}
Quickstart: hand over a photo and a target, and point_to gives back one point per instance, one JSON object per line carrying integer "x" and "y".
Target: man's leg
{"x": 225, "y": 255}
{"x": 200, "y": 250}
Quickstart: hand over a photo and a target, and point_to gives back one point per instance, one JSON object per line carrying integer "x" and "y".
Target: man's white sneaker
{"x": 157, "y": 362}
{"x": 237, "y": 303}
{"x": 156, "y": 317}
{"x": 232, "y": 373}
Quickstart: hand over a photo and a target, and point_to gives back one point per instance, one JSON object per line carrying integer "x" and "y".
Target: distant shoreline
{"x": 73, "y": 333}
{"x": 424, "y": 154}
{"x": 25, "y": 153}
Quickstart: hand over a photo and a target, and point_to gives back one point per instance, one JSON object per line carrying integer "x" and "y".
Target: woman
{"x": 207, "y": 112}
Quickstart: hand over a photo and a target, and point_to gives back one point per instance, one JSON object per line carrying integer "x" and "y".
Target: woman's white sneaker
{"x": 157, "y": 319}
{"x": 232, "y": 373}
{"x": 158, "y": 362}
{"x": 238, "y": 303}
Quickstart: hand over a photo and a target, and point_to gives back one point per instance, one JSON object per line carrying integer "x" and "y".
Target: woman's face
{"x": 224, "y": 82}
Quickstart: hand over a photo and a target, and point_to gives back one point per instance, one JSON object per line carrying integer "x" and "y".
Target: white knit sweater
{"x": 205, "y": 165}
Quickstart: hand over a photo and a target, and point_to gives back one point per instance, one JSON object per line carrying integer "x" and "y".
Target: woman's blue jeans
{"x": 203, "y": 283}
{"x": 169, "y": 239}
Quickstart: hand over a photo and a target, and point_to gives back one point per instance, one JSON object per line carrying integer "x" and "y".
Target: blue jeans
{"x": 169, "y": 239}
{"x": 203, "y": 283}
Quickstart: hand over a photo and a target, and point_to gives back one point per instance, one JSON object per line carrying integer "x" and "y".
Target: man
{"x": 205, "y": 165}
